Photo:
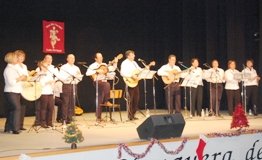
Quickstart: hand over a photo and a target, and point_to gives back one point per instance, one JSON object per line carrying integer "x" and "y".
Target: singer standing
{"x": 232, "y": 79}
{"x": 70, "y": 75}
{"x": 251, "y": 84}
{"x": 215, "y": 76}
{"x": 128, "y": 67}
{"x": 46, "y": 79}
{"x": 194, "y": 86}
{"x": 172, "y": 90}
{"x": 23, "y": 71}
{"x": 99, "y": 72}
{"x": 12, "y": 93}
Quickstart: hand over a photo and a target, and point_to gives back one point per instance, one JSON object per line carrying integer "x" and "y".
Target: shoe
{"x": 135, "y": 118}
{"x": 44, "y": 126}
{"x": 22, "y": 128}
{"x": 16, "y": 132}
{"x": 68, "y": 122}
{"x": 7, "y": 131}
{"x": 50, "y": 125}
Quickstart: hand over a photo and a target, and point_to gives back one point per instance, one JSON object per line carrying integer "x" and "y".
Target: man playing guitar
{"x": 130, "y": 71}
{"x": 171, "y": 74}
{"x": 99, "y": 72}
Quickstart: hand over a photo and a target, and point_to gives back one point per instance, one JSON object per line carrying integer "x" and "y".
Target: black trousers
{"x": 13, "y": 111}
{"x": 173, "y": 97}
{"x": 233, "y": 98}
{"x": 58, "y": 103}
{"x": 215, "y": 96}
{"x": 196, "y": 100}
{"x": 23, "y": 109}
{"x": 46, "y": 109}
{"x": 103, "y": 96}
{"x": 133, "y": 101}
{"x": 68, "y": 104}
{"x": 251, "y": 96}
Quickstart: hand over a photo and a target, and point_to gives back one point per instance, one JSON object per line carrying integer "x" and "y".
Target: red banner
{"x": 53, "y": 37}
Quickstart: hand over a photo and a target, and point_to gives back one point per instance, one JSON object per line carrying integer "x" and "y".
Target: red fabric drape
{"x": 53, "y": 37}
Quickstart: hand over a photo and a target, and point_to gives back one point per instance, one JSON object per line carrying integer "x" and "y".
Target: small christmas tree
{"x": 73, "y": 135}
{"x": 239, "y": 118}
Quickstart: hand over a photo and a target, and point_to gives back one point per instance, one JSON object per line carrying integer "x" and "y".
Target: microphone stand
{"x": 34, "y": 126}
{"x": 210, "y": 90}
{"x": 185, "y": 94}
{"x": 243, "y": 93}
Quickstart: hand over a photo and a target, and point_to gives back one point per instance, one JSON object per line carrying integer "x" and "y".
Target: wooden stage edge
{"x": 49, "y": 142}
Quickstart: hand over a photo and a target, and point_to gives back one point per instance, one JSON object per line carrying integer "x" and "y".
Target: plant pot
{"x": 73, "y": 146}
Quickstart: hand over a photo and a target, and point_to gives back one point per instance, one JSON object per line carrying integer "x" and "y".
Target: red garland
{"x": 237, "y": 133}
{"x": 152, "y": 142}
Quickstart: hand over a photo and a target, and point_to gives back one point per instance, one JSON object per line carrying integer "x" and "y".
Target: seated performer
{"x": 70, "y": 75}
{"x": 232, "y": 78}
{"x": 215, "y": 77}
{"x": 194, "y": 87}
{"x": 99, "y": 72}
{"x": 170, "y": 72}
{"x": 251, "y": 84}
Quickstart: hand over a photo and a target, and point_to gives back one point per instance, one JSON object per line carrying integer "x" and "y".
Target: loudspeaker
{"x": 162, "y": 126}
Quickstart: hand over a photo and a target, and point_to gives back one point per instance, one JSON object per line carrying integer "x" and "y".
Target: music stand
{"x": 34, "y": 80}
{"x": 187, "y": 82}
{"x": 146, "y": 74}
{"x": 243, "y": 77}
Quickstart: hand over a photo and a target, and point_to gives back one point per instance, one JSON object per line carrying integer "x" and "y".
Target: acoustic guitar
{"x": 172, "y": 76}
{"x": 103, "y": 69}
{"x": 133, "y": 82}
{"x": 78, "y": 111}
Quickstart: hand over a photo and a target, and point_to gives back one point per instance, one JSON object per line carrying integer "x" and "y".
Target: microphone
{"x": 59, "y": 65}
{"x": 179, "y": 62}
{"x": 140, "y": 60}
{"x": 206, "y": 65}
{"x": 82, "y": 63}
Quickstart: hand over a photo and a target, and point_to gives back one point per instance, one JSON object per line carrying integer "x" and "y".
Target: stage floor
{"x": 109, "y": 133}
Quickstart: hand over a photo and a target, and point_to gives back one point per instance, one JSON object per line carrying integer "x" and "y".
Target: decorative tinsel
{"x": 152, "y": 142}
{"x": 73, "y": 134}
{"x": 236, "y": 133}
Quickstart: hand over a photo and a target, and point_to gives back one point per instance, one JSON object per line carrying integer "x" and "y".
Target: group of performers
{"x": 58, "y": 86}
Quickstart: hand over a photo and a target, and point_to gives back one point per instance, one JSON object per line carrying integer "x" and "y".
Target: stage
{"x": 106, "y": 133}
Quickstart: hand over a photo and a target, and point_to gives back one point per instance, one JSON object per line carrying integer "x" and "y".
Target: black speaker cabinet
{"x": 162, "y": 126}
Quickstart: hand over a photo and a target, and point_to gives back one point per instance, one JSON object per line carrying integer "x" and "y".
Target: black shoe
{"x": 22, "y": 128}
{"x": 16, "y": 132}
{"x": 7, "y": 131}
{"x": 50, "y": 125}
{"x": 44, "y": 126}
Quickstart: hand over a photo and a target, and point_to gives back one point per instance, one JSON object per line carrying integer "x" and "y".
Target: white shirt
{"x": 11, "y": 73}
{"x": 165, "y": 70}
{"x": 193, "y": 77}
{"x": 58, "y": 88}
{"x": 251, "y": 79}
{"x": 47, "y": 81}
{"x": 128, "y": 67}
{"x": 70, "y": 74}
{"x": 92, "y": 70}
{"x": 214, "y": 75}
{"x": 22, "y": 69}
{"x": 230, "y": 78}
